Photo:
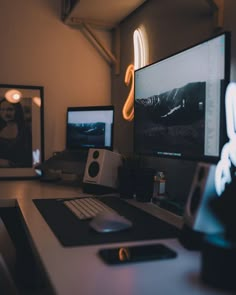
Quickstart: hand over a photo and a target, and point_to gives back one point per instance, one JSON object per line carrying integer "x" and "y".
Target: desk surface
{"x": 78, "y": 270}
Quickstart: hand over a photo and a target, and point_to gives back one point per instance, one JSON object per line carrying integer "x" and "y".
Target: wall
{"x": 37, "y": 48}
{"x": 171, "y": 26}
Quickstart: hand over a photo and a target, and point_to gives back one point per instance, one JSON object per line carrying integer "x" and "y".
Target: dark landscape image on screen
{"x": 174, "y": 118}
{"x": 87, "y": 134}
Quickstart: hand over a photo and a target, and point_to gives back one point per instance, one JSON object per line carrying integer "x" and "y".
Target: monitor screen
{"x": 179, "y": 103}
{"x": 90, "y": 127}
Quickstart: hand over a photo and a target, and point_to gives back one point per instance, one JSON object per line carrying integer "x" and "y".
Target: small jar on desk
{"x": 159, "y": 187}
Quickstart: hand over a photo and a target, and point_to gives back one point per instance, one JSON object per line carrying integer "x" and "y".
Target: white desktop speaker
{"x": 198, "y": 215}
{"x": 102, "y": 168}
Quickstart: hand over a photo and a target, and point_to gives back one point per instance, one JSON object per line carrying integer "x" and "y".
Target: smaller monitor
{"x": 89, "y": 127}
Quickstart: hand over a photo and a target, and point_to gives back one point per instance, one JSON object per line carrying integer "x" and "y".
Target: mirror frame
{"x": 32, "y": 104}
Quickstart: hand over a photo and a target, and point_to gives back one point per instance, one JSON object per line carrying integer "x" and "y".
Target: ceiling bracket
{"x": 102, "y": 49}
{"x": 217, "y": 7}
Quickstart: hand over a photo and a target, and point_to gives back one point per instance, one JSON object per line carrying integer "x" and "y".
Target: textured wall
{"x": 37, "y": 48}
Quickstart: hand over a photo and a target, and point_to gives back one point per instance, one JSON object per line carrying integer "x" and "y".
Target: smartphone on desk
{"x": 137, "y": 253}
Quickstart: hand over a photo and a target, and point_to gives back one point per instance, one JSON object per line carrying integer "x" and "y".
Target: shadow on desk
{"x": 25, "y": 275}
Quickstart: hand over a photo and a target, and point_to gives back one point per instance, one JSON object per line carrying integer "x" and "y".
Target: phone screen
{"x": 136, "y": 253}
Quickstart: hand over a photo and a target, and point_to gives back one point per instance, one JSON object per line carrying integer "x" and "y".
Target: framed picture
{"x": 21, "y": 130}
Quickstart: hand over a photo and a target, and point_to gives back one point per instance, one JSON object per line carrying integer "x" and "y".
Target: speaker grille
{"x": 95, "y": 154}
{"x": 93, "y": 169}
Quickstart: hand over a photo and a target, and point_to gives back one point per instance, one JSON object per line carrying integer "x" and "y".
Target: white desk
{"x": 78, "y": 270}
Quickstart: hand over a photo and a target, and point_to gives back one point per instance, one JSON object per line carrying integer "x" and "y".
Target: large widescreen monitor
{"x": 179, "y": 103}
{"x": 89, "y": 127}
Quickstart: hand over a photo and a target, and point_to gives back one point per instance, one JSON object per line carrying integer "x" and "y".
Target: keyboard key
{"x": 86, "y": 208}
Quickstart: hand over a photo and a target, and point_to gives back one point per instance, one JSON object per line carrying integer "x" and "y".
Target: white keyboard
{"x": 85, "y": 208}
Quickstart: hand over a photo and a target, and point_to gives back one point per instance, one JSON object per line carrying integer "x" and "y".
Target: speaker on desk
{"x": 198, "y": 217}
{"x": 101, "y": 171}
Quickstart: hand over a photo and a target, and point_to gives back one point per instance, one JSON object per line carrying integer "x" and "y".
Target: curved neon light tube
{"x": 140, "y": 60}
{"x": 139, "y": 49}
{"x": 128, "y": 108}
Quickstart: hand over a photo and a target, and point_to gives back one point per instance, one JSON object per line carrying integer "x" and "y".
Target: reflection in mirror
{"x": 13, "y": 95}
{"x": 21, "y": 130}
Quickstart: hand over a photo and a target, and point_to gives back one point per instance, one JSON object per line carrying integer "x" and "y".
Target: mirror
{"x": 21, "y": 130}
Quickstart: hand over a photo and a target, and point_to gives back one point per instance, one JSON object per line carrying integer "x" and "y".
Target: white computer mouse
{"x": 109, "y": 222}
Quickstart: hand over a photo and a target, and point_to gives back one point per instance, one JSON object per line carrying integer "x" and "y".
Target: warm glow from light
{"x": 37, "y": 101}
{"x": 140, "y": 48}
{"x": 128, "y": 108}
{"x": 124, "y": 254}
{"x": 228, "y": 153}
{"x": 13, "y": 95}
{"x": 140, "y": 60}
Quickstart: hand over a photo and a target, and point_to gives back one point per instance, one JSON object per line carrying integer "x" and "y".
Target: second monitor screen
{"x": 90, "y": 127}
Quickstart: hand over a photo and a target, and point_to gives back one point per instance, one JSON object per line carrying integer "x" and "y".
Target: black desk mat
{"x": 71, "y": 231}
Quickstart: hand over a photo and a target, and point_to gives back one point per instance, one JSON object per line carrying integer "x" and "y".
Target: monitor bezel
{"x": 91, "y": 108}
{"x": 223, "y": 134}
